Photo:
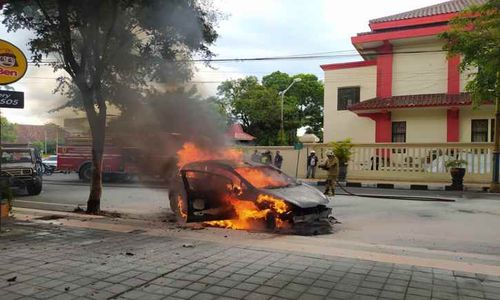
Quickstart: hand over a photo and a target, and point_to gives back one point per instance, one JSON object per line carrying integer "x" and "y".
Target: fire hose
{"x": 396, "y": 197}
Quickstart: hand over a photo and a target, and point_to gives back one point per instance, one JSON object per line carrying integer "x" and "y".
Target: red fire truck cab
{"x": 117, "y": 161}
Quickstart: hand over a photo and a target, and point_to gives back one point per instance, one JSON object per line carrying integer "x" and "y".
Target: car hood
{"x": 302, "y": 195}
{"x": 26, "y": 165}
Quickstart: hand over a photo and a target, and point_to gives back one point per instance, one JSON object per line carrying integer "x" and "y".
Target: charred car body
{"x": 220, "y": 189}
{"x": 21, "y": 168}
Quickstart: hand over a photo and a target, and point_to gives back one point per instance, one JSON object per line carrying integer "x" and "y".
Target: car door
{"x": 207, "y": 195}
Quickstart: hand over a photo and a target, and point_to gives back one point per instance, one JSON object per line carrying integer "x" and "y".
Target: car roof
{"x": 223, "y": 163}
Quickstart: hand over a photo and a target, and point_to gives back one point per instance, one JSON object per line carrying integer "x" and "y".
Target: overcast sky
{"x": 256, "y": 28}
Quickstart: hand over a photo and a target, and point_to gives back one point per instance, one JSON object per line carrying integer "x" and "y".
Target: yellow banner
{"x": 13, "y": 63}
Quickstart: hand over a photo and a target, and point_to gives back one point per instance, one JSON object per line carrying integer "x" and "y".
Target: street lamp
{"x": 282, "y": 94}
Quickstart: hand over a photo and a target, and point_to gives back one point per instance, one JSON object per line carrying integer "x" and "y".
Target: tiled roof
{"x": 236, "y": 132}
{"x": 437, "y": 9}
{"x": 412, "y": 101}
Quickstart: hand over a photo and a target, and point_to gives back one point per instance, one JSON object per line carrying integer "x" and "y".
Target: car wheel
{"x": 85, "y": 172}
{"x": 35, "y": 188}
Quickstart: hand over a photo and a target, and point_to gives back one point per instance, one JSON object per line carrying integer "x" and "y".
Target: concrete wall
{"x": 428, "y": 125}
{"x": 291, "y": 156}
{"x": 343, "y": 124}
{"x": 468, "y": 114}
{"x": 423, "y": 125}
{"x": 419, "y": 73}
{"x": 412, "y": 165}
{"x": 464, "y": 78}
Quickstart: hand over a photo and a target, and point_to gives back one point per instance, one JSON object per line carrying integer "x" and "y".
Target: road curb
{"x": 398, "y": 186}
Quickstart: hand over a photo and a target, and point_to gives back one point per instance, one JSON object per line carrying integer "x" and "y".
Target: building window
{"x": 347, "y": 96}
{"x": 479, "y": 131}
{"x": 399, "y": 132}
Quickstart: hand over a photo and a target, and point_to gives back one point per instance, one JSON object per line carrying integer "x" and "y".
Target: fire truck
{"x": 120, "y": 161}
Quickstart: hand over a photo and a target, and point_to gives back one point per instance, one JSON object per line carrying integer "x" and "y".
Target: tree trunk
{"x": 98, "y": 134}
{"x": 495, "y": 184}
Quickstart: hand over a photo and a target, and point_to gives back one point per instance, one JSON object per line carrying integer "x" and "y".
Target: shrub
{"x": 456, "y": 163}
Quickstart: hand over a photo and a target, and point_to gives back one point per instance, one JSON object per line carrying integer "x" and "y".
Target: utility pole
{"x": 45, "y": 140}
{"x": 282, "y": 94}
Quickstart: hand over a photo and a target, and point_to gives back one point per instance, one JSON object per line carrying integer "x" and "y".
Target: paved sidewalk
{"x": 43, "y": 261}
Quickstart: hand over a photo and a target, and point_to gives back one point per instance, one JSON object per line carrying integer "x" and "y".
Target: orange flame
{"x": 191, "y": 153}
{"x": 258, "y": 179}
{"x": 249, "y": 216}
{"x": 277, "y": 205}
{"x": 180, "y": 207}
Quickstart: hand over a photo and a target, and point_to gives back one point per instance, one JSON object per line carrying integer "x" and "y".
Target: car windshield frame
{"x": 5, "y": 160}
{"x": 287, "y": 181}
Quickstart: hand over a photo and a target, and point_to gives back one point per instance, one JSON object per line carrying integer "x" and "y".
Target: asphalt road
{"x": 65, "y": 192}
{"x": 470, "y": 224}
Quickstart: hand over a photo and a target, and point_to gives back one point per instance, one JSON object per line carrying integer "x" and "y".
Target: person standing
{"x": 332, "y": 167}
{"x": 255, "y": 156}
{"x": 278, "y": 160}
{"x": 266, "y": 158}
{"x": 312, "y": 162}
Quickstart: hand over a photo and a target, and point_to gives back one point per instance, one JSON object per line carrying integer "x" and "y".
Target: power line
{"x": 289, "y": 57}
{"x": 352, "y": 75}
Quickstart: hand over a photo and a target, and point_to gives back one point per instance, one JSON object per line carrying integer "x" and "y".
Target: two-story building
{"x": 406, "y": 88}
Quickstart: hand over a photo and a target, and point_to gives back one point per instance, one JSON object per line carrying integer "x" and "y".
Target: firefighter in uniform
{"x": 331, "y": 165}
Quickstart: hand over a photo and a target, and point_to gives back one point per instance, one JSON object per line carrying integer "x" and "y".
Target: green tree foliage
{"x": 306, "y": 96}
{"x": 475, "y": 36}
{"x": 112, "y": 48}
{"x": 258, "y": 105}
{"x": 40, "y": 146}
{"x": 8, "y": 131}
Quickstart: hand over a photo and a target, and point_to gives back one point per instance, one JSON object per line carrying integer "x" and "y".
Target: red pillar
{"x": 453, "y": 75}
{"x": 384, "y": 70}
{"x": 383, "y": 126}
{"x": 453, "y": 125}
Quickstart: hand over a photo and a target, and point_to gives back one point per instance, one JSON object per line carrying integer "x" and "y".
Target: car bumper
{"x": 19, "y": 181}
{"x": 312, "y": 217}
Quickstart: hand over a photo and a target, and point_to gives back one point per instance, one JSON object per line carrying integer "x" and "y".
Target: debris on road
{"x": 12, "y": 279}
{"x": 188, "y": 246}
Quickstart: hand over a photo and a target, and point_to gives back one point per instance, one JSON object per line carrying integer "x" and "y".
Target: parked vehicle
{"x": 47, "y": 170}
{"x": 50, "y": 161}
{"x": 21, "y": 168}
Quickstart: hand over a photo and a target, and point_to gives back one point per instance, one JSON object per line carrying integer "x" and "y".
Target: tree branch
{"x": 67, "y": 50}
{"x": 46, "y": 14}
{"x": 107, "y": 38}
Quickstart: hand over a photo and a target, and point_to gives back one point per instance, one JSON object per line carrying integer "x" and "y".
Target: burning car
{"x": 244, "y": 195}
